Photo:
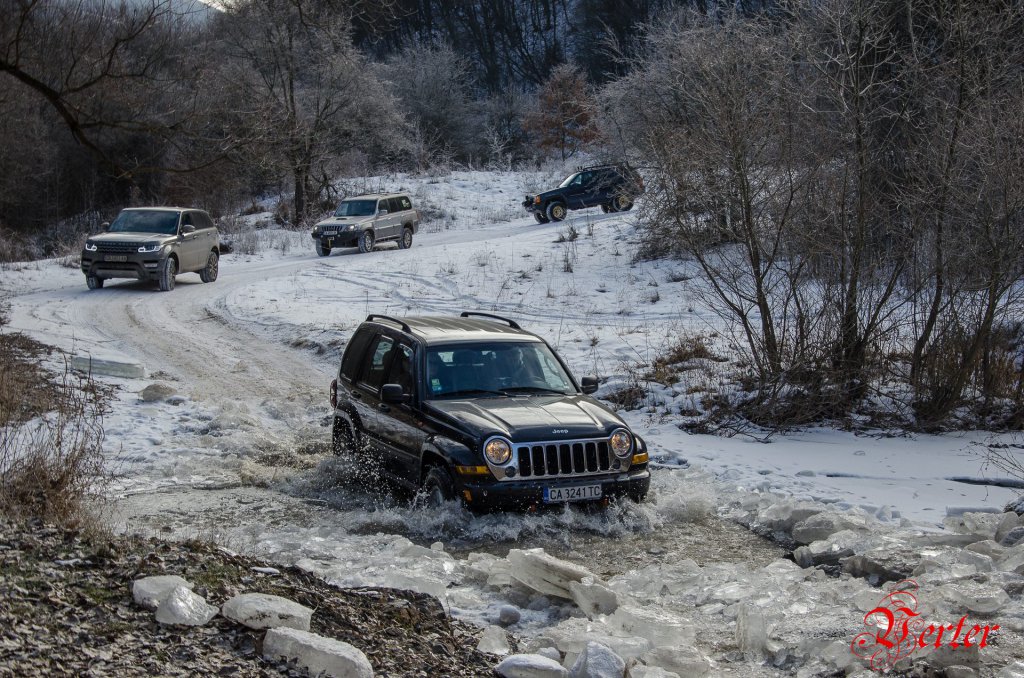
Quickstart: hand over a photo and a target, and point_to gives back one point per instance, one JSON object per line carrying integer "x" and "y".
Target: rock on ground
{"x": 316, "y": 654}
{"x": 156, "y": 392}
{"x": 263, "y": 611}
{"x": 185, "y": 608}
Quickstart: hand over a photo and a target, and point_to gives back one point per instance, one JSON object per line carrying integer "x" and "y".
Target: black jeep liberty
{"x": 476, "y": 409}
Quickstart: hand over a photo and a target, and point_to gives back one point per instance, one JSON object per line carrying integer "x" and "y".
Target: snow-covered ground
{"x": 251, "y": 356}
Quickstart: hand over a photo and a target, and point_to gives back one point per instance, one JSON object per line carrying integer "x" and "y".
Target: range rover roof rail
{"x": 377, "y": 316}
{"x": 511, "y": 323}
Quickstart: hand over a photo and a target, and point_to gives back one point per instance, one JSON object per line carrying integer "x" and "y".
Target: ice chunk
{"x": 264, "y": 611}
{"x": 148, "y": 592}
{"x": 787, "y": 513}
{"x": 686, "y": 661}
{"x": 183, "y": 607}
{"x": 661, "y": 627}
{"x": 980, "y": 561}
{"x": 824, "y": 525}
{"x": 593, "y": 597}
{"x": 1012, "y": 560}
{"x": 318, "y": 655}
{"x": 571, "y": 637}
{"x": 974, "y": 597}
{"x": 544, "y": 573}
{"x": 1008, "y": 522}
{"x": 1013, "y": 537}
{"x": 530, "y": 666}
{"x": 1014, "y": 670}
{"x": 416, "y": 551}
{"x": 980, "y": 525}
{"x": 987, "y": 547}
{"x": 598, "y": 661}
{"x": 494, "y": 641}
{"x": 751, "y": 631}
{"x": 829, "y": 551}
{"x": 644, "y": 671}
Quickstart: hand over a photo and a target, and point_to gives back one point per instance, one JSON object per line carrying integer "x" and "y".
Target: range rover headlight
{"x": 621, "y": 442}
{"x": 150, "y": 247}
{"x": 91, "y": 246}
{"x": 498, "y": 450}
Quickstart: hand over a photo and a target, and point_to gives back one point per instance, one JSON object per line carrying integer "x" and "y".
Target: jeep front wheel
{"x": 94, "y": 282}
{"x": 322, "y": 249}
{"x": 209, "y": 272}
{"x": 437, "y": 488}
{"x": 168, "y": 271}
{"x": 556, "y": 211}
{"x": 541, "y": 217}
{"x": 622, "y": 203}
{"x": 405, "y": 242}
{"x": 366, "y": 241}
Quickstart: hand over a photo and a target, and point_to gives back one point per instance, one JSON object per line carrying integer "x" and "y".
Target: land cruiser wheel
{"x": 437, "y": 487}
{"x": 622, "y": 203}
{"x": 322, "y": 249}
{"x": 541, "y": 217}
{"x": 405, "y": 242}
{"x": 556, "y": 211}
{"x": 94, "y": 282}
{"x": 167, "y": 273}
{"x": 366, "y": 241}
{"x": 209, "y": 272}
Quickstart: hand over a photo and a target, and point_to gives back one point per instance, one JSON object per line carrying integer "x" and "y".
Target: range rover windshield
{"x": 145, "y": 221}
{"x": 356, "y": 208}
{"x": 495, "y": 369}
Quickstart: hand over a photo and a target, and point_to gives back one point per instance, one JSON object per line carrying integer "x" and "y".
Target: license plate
{"x": 575, "y": 493}
{"x": 116, "y": 257}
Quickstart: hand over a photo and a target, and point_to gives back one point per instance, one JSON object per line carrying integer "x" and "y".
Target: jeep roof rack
{"x": 401, "y": 323}
{"x": 514, "y": 325}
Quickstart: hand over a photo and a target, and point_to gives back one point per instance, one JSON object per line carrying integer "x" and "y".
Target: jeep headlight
{"x": 316, "y": 229}
{"x": 91, "y": 246}
{"x": 150, "y": 247}
{"x": 621, "y": 442}
{"x": 536, "y": 200}
{"x": 498, "y": 450}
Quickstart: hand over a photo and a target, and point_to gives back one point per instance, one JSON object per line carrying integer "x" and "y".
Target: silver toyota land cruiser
{"x": 364, "y": 220}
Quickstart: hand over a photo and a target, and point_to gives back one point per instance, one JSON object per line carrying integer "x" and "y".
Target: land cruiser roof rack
{"x": 377, "y": 316}
{"x": 514, "y": 325}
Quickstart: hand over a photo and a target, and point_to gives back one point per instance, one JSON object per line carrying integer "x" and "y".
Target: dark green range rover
{"x": 475, "y": 408}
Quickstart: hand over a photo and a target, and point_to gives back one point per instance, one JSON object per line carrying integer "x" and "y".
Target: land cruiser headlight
{"x": 91, "y": 246}
{"x": 498, "y": 450}
{"x": 621, "y": 442}
{"x": 150, "y": 247}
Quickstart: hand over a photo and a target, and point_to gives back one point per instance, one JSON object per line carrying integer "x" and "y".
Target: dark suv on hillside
{"x": 476, "y": 409}
{"x": 613, "y": 187}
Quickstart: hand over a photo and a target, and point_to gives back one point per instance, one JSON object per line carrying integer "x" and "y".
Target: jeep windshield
{"x": 569, "y": 180}
{"x": 144, "y": 221}
{"x": 356, "y": 208}
{"x": 495, "y": 369}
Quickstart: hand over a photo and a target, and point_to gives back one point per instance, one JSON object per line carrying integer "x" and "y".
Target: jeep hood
{"x": 530, "y": 418}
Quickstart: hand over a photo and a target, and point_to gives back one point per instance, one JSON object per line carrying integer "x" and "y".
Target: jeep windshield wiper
{"x": 469, "y": 391}
{"x": 533, "y": 389}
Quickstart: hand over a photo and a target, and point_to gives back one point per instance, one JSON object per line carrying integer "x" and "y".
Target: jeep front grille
{"x": 561, "y": 458}
{"x": 118, "y": 247}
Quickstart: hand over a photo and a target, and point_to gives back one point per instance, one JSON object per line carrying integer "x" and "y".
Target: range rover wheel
{"x": 322, "y": 250}
{"x": 556, "y": 211}
{"x": 209, "y": 272}
{"x": 437, "y": 487}
{"x": 405, "y": 242}
{"x": 167, "y": 273}
{"x": 622, "y": 203}
{"x": 94, "y": 282}
{"x": 366, "y": 241}
{"x": 541, "y": 218}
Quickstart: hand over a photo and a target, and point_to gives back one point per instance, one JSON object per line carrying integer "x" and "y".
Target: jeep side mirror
{"x": 393, "y": 393}
{"x": 188, "y": 228}
{"x": 382, "y": 212}
{"x": 589, "y": 384}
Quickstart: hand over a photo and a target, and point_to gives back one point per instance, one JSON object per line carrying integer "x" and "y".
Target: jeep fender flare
{"x": 451, "y": 453}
